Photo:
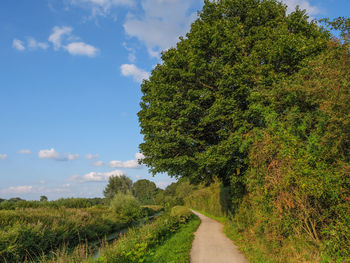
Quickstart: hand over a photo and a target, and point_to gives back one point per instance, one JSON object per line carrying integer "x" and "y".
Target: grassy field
{"x": 26, "y": 234}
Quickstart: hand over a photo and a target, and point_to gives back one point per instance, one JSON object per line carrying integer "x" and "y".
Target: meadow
{"x": 30, "y": 230}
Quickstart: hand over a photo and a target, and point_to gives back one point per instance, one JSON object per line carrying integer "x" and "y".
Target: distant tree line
{"x": 17, "y": 202}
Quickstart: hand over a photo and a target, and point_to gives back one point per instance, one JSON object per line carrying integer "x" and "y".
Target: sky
{"x": 70, "y": 75}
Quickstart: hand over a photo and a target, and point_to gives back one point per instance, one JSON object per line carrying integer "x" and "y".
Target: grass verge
{"x": 177, "y": 248}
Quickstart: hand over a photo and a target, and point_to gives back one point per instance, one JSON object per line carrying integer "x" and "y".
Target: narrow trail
{"x": 211, "y": 245}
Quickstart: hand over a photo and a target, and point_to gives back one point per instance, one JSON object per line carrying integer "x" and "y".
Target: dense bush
{"x": 298, "y": 181}
{"x": 126, "y": 206}
{"x": 181, "y": 213}
{"x": 214, "y": 199}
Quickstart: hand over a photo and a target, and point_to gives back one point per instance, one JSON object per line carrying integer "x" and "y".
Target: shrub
{"x": 126, "y": 206}
{"x": 181, "y": 213}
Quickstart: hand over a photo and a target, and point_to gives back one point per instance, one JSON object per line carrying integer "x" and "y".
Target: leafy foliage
{"x": 126, "y": 206}
{"x": 260, "y": 100}
{"x": 117, "y": 184}
{"x": 199, "y": 104}
{"x": 145, "y": 191}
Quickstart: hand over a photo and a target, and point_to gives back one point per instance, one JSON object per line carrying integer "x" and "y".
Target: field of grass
{"x": 27, "y": 234}
{"x": 30, "y": 232}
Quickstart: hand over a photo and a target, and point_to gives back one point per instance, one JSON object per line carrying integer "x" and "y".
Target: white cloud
{"x": 303, "y": 4}
{"x": 101, "y": 7}
{"x": 49, "y": 154}
{"x": 3, "y": 156}
{"x": 99, "y": 163}
{"x": 162, "y": 23}
{"x": 130, "y": 70}
{"x": 139, "y": 156}
{"x": 126, "y": 164}
{"x": 162, "y": 185}
{"x": 95, "y": 176}
{"x": 81, "y": 49}
{"x": 42, "y": 181}
{"x": 33, "y": 44}
{"x": 26, "y": 189}
{"x": 72, "y": 157}
{"x": 17, "y": 189}
{"x": 18, "y": 44}
{"x": 24, "y": 151}
{"x": 56, "y": 37}
{"x": 91, "y": 156}
{"x": 132, "y": 55}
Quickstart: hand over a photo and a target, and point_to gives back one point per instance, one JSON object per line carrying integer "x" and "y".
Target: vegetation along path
{"x": 210, "y": 244}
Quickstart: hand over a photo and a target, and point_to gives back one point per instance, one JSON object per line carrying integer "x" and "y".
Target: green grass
{"x": 177, "y": 248}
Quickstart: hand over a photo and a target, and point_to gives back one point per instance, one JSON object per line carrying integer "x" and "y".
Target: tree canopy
{"x": 200, "y": 104}
{"x": 145, "y": 191}
{"x": 117, "y": 184}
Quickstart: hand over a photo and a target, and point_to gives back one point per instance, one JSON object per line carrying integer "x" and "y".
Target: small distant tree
{"x": 118, "y": 184}
{"x": 145, "y": 191}
{"x": 43, "y": 198}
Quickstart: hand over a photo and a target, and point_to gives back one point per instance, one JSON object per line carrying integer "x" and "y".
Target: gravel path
{"x": 211, "y": 245}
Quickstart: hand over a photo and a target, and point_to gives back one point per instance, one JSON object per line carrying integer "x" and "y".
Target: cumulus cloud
{"x": 101, "y": 7}
{"x": 24, "y": 151}
{"x": 17, "y": 189}
{"x": 18, "y": 44}
{"x": 29, "y": 189}
{"x": 33, "y": 44}
{"x": 126, "y": 164}
{"x": 303, "y": 4}
{"x": 57, "y": 35}
{"x": 81, "y": 49}
{"x": 96, "y": 176}
{"x": 49, "y": 154}
{"x": 3, "y": 156}
{"x": 91, "y": 156}
{"x": 60, "y": 38}
{"x": 139, "y": 156}
{"x": 162, "y": 23}
{"x": 130, "y": 70}
{"x": 52, "y": 154}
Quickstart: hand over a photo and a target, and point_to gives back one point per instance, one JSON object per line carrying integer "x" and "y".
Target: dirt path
{"x": 211, "y": 245}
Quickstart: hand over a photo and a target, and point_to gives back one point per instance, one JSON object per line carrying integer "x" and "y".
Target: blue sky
{"x": 70, "y": 88}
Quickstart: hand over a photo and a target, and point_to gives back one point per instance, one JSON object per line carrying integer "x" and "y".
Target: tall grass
{"x": 28, "y": 233}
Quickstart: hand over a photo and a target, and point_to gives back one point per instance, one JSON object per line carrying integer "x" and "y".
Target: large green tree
{"x": 145, "y": 191}
{"x": 118, "y": 184}
{"x": 202, "y": 100}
